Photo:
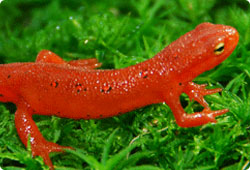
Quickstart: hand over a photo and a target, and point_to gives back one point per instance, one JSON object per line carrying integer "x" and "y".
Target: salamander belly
{"x": 93, "y": 104}
{"x": 91, "y": 108}
{"x": 81, "y": 94}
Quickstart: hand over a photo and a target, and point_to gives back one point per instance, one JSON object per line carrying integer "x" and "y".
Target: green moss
{"x": 121, "y": 33}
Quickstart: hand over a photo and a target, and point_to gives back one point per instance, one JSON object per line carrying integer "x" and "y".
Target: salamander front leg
{"x": 27, "y": 129}
{"x": 194, "y": 119}
{"x": 197, "y": 92}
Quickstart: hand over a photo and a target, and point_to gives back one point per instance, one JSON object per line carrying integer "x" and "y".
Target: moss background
{"x": 121, "y": 33}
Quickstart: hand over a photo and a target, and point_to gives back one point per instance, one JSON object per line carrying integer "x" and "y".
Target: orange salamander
{"x": 75, "y": 89}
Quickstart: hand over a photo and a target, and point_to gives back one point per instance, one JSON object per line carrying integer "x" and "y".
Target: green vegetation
{"x": 121, "y": 33}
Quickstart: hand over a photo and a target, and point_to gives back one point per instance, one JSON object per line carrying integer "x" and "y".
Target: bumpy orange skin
{"x": 51, "y": 86}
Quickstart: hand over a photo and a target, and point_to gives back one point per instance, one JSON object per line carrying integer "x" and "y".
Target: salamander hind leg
{"x": 27, "y": 129}
{"x": 91, "y": 63}
{"x": 46, "y": 56}
{"x": 194, "y": 119}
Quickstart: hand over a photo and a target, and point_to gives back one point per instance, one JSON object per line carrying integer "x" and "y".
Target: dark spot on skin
{"x": 78, "y": 87}
{"x": 176, "y": 57}
{"x": 8, "y": 76}
{"x": 1, "y": 95}
{"x": 58, "y": 112}
{"x": 106, "y": 89}
{"x": 101, "y": 116}
{"x": 144, "y": 74}
{"x": 54, "y": 84}
{"x": 78, "y": 84}
{"x": 180, "y": 84}
{"x": 88, "y": 115}
{"x": 110, "y": 88}
{"x": 85, "y": 89}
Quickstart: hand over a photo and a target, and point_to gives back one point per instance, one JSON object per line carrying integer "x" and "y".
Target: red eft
{"x": 75, "y": 89}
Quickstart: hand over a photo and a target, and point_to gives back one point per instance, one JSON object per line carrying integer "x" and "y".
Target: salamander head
{"x": 203, "y": 48}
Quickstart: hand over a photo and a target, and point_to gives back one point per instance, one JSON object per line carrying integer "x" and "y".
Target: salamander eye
{"x": 219, "y": 48}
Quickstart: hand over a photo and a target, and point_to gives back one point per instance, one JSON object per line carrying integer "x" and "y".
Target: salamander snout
{"x": 232, "y": 35}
